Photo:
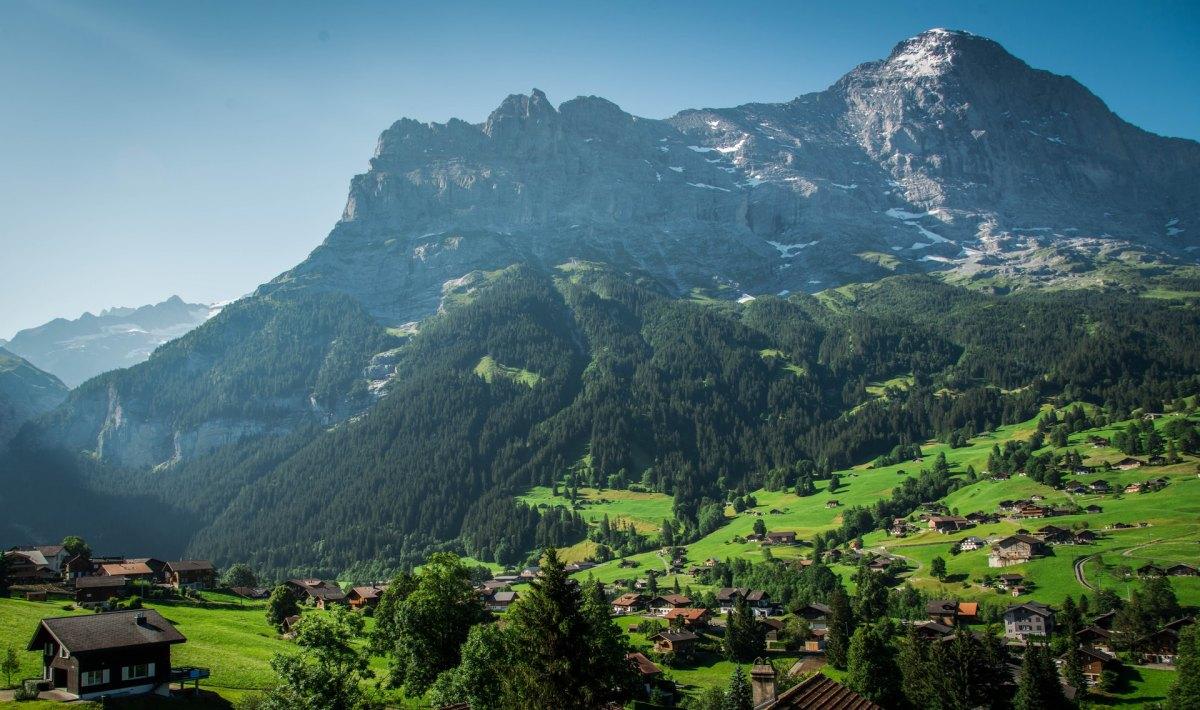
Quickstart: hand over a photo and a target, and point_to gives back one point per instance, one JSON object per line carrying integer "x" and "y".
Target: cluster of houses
{"x": 43, "y": 570}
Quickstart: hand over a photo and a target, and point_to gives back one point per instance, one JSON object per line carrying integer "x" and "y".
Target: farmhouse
{"x": 1010, "y": 580}
{"x": 1128, "y": 463}
{"x": 319, "y": 592}
{"x": 816, "y": 691}
{"x": 52, "y": 557}
{"x": 132, "y": 570}
{"x": 1151, "y": 570}
{"x": 25, "y": 568}
{"x": 972, "y": 543}
{"x": 1028, "y": 619}
{"x": 628, "y": 604}
{"x": 678, "y": 642}
{"x": 190, "y": 574}
{"x": 948, "y": 523}
{"x": 1031, "y": 511}
{"x": 1182, "y": 570}
{"x": 815, "y": 613}
{"x": 1093, "y": 509}
{"x": 781, "y": 537}
{"x": 932, "y": 630}
{"x": 1100, "y": 486}
{"x": 647, "y": 670}
{"x": 1084, "y": 537}
{"x": 119, "y": 653}
{"x": 1096, "y": 637}
{"x": 93, "y": 590}
{"x": 1095, "y": 662}
{"x": 500, "y": 601}
{"x": 1015, "y": 549}
{"x": 77, "y": 566}
{"x": 942, "y": 611}
{"x": 1054, "y": 534}
{"x": 692, "y": 618}
{"x": 368, "y": 596}
{"x": 666, "y": 602}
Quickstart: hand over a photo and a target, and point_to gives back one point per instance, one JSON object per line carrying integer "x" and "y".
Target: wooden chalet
{"x": 1010, "y": 580}
{"x": 691, "y": 618}
{"x": 1182, "y": 570}
{"x": 780, "y": 537}
{"x": 1014, "y": 550}
{"x": 815, "y": 613}
{"x": 77, "y": 566}
{"x": 679, "y": 642}
{"x": 1084, "y": 537}
{"x": 649, "y": 673}
{"x": 1163, "y": 645}
{"x": 942, "y": 611}
{"x": 948, "y": 523}
{"x": 1100, "y": 486}
{"x": 628, "y": 604}
{"x": 24, "y": 568}
{"x": 51, "y": 556}
{"x": 1095, "y": 661}
{"x": 932, "y": 630}
{"x": 1095, "y": 637}
{"x": 251, "y": 592}
{"x": 134, "y": 571}
{"x": 666, "y": 602}
{"x": 321, "y": 593}
{"x": 363, "y": 597}
{"x": 99, "y": 589}
{"x": 1128, "y": 463}
{"x": 190, "y": 574}
{"x": 971, "y": 543}
{"x": 1054, "y": 534}
{"x": 500, "y": 601}
{"x": 113, "y": 654}
{"x": 1151, "y": 570}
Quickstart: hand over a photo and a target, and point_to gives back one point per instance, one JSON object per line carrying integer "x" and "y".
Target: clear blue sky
{"x": 153, "y": 148}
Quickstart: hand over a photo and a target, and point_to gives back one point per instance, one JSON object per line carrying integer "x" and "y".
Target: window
{"x": 99, "y": 677}
{"x": 141, "y": 670}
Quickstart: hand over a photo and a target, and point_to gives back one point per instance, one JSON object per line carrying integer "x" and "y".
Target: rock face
{"x": 949, "y": 154}
{"x": 25, "y": 392}
{"x": 77, "y": 350}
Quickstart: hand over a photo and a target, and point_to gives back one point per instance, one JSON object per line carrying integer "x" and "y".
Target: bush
{"x": 24, "y": 693}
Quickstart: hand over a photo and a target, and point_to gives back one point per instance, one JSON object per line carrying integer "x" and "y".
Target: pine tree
{"x": 917, "y": 682}
{"x": 1073, "y": 671}
{"x": 1185, "y": 692}
{"x": 1037, "y": 686}
{"x": 739, "y": 696}
{"x": 841, "y": 626}
{"x": 871, "y": 668}
{"x": 937, "y": 568}
{"x": 744, "y": 634}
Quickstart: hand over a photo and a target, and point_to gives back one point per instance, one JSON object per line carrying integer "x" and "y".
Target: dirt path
{"x": 1079, "y": 576}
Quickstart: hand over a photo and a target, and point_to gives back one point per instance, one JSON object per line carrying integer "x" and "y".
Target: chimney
{"x": 762, "y": 682}
{"x": 139, "y": 618}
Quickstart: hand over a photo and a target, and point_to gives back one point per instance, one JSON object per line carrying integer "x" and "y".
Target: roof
{"x": 1035, "y": 607}
{"x": 190, "y": 566}
{"x": 687, "y": 614}
{"x": 968, "y": 608}
{"x": 1096, "y": 654}
{"x": 368, "y": 592}
{"x": 644, "y": 665}
{"x": 100, "y": 581}
{"x": 629, "y": 599}
{"x": 821, "y": 692}
{"x": 34, "y": 556}
{"x": 1011, "y": 539}
{"x": 674, "y": 599}
{"x": 117, "y": 629}
{"x": 782, "y": 533}
{"x": 935, "y": 626}
{"x": 675, "y": 636}
{"x": 504, "y": 597}
{"x": 941, "y": 606}
{"x": 126, "y": 568}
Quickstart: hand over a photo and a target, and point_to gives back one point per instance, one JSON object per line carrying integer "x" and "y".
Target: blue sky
{"x": 155, "y": 148}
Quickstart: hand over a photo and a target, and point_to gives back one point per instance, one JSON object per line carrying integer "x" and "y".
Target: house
{"x": 972, "y": 543}
{"x": 289, "y": 625}
{"x": 816, "y": 614}
{"x": 772, "y": 627}
{"x": 157, "y": 566}
{"x": 968, "y": 612}
{"x": 1015, "y": 549}
{"x": 251, "y": 592}
{"x": 77, "y": 566}
{"x": 1077, "y": 489}
{"x": 1182, "y": 570}
{"x": 948, "y": 523}
{"x": 363, "y": 597}
{"x": 816, "y": 692}
{"x": 113, "y": 654}
{"x": 1054, "y": 534}
{"x": 1105, "y": 620}
{"x": 1031, "y": 511}
{"x": 666, "y": 602}
{"x": 530, "y": 572}
{"x": 1029, "y": 619}
{"x": 500, "y": 601}
{"x": 692, "y": 618}
{"x": 646, "y": 670}
{"x": 628, "y": 604}
{"x": 190, "y": 574}
{"x": 932, "y": 630}
{"x": 1094, "y": 662}
{"x": 1163, "y": 645}
{"x": 1010, "y": 580}
{"x": 321, "y": 593}
{"x": 680, "y": 643}
{"x": 781, "y": 537}
{"x": 1151, "y": 570}
{"x": 1128, "y": 463}
{"x": 1093, "y": 509}
{"x": 942, "y": 611}
{"x": 51, "y": 556}
{"x": 133, "y": 570}
{"x": 95, "y": 590}
{"x": 1084, "y": 537}
{"x": 1100, "y": 486}
{"x": 28, "y": 568}
{"x": 1095, "y": 637}
{"x": 1135, "y": 488}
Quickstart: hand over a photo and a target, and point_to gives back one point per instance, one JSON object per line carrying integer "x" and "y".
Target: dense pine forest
{"x": 579, "y": 377}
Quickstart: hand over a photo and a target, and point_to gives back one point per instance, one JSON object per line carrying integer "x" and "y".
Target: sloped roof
{"x": 820, "y": 692}
{"x": 644, "y": 665}
{"x": 117, "y": 569}
{"x": 117, "y": 629}
{"x": 100, "y": 581}
{"x": 190, "y": 566}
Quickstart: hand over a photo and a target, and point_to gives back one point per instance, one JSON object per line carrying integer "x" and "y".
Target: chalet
{"x": 1128, "y": 463}
{"x": 1135, "y": 488}
{"x": 942, "y": 611}
{"x": 1093, "y": 509}
{"x": 251, "y": 592}
{"x": 508, "y": 578}
{"x": 1029, "y": 619}
{"x": 363, "y": 597}
{"x": 500, "y": 601}
{"x": 25, "y": 568}
{"x": 1084, "y": 537}
{"x": 190, "y": 574}
{"x": 1095, "y": 637}
{"x": 1161, "y": 646}
{"x": 979, "y": 518}
{"x": 113, "y": 654}
{"x": 972, "y": 543}
{"x": 1182, "y": 570}
{"x": 691, "y": 618}
{"x": 816, "y": 691}
{"x": 1076, "y": 489}
{"x": 1100, "y": 486}
{"x": 1081, "y": 470}
{"x": 759, "y": 600}
{"x": 1014, "y": 550}
{"x": 932, "y": 630}
{"x": 1094, "y": 662}
{"x": 773, "y": 627}
{"x": 968, "y": 612}
{"x": 50, "y": 556}
{"x": 530, "y": 572}
{"x": 832, "y": 503}
{"x": 1010, "y": 580}
{"x": 290, "y": 624}
{"x": 781, "y": 537}
{"x": 948, "y": 523}
{"x": 628, "y": 604}
{"x": 1151, "y": 570}
{"x": 157, "y": 566}
{"x": 321, "y": 593}
{"x": 649, "y": 673}
{"x": 1054, "y": 534}
{"x": 130, "y": 569}
{"x": 666, "y": 602}
{"x": 1031, "y": 511}
{"x": 77, "y": 566}
{"x": 815, "y": 613}
{"x": 94, "y": 590}
{"x": 1105, "y": 620}
{"x": 1098, "y": 441}
{"x": 680, "y": 643}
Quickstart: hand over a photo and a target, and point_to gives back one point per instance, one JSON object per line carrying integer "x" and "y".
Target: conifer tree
{"x": 1185, "y": 692}
{"x": 739, "y": 696}
{"x": 744, "y": 634}
{"x": 871, "y": 667}
{"x": 841, "y": 626}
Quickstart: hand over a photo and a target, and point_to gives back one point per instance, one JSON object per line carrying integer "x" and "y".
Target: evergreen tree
{"x": 840, "y": 627}
{"x": 744, "y": 634}
{"x": 1185, "y": 692}
{"x": 1038, "y": 687}
{"x": 917, "y": 680}
{"x": 1073, "y": 671}
{"x": 871, "y": 595}
{"x": 739, "y": 696}
{"x": 937, "y": 568}
{"x": 871, "y": 667}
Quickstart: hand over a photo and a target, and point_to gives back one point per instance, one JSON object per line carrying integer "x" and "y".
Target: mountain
{"x": 574, "y": 293}
{"x": 77, "y": 350}
{"x": 25, "y": 392}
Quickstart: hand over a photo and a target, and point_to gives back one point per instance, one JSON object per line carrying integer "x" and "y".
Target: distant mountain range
{"x": 574, "y": 288}
{"x": 25, "y": 392}
{"x": 77, "y": 350}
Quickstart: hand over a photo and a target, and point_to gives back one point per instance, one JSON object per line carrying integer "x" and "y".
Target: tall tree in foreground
{"x": 431, "y": 623}
{"x": 1185, "y": 692}
{"x": 968, "y": 671}
{"x": 841, "y": 626}
{"x": 1038, "y": 687}
{"x": 483, "y": 678}
{"x": 558, "y": 643}
{"x": 872, "y": 668}
{"x": 745, "y": 637}
{"x": 329, "y": 669}
{"x": 739, "y": 696}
